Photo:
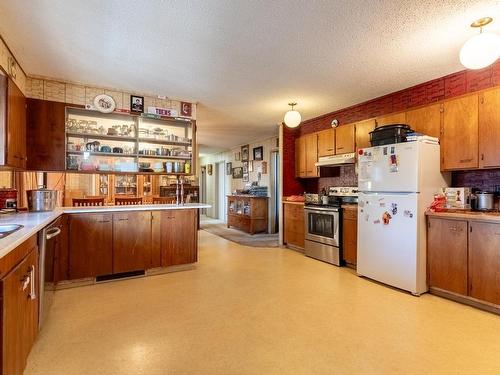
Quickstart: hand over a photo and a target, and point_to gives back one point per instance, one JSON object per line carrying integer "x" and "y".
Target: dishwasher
{"x": 47, "y": 245}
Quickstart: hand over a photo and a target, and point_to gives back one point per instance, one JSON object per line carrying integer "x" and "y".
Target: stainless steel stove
{"x": 323, "y": 223}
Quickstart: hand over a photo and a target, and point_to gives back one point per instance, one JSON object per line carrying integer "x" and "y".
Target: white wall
{"x": 236, "y": 184}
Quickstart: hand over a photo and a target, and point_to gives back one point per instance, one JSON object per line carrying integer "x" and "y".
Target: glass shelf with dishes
{"x": 129, "y": 143}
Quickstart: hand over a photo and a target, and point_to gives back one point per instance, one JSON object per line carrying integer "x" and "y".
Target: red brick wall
{"x": 442, "y": 88}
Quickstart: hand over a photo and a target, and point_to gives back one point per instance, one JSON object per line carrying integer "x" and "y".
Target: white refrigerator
{"x": 396, "y": 184}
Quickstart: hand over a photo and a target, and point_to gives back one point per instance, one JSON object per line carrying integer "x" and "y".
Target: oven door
{"x": 322, "y": 225}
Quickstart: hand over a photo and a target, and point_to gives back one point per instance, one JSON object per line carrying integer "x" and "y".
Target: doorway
{"x": 220, "y": 177}
{"x": 203, "y": 188}
{"x": 274, "y": 191}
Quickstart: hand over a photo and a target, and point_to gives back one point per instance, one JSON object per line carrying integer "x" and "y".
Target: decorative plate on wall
{"x": 104, "y": 103}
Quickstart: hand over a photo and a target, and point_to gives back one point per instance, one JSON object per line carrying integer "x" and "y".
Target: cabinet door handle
{"x": 123, "y": 219}
{"x": 455, "y": 229}
{"x": 465, "y": 160}
{"x": 32, "y": 294}
{"x": 340, "y": 148}
{"x": 25, "y": 282}
{"x": 103, "y": 221}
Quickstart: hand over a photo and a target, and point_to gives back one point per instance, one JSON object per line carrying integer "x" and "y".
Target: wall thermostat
{"x": 335, "y": 123}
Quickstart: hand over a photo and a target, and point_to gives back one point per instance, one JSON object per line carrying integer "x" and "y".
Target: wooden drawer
{"x": 14, "y": 257}
{"x": 350, "y": 214}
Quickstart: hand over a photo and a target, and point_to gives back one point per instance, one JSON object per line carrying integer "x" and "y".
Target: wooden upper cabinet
{"x": 363, "y": 129}
{"x": 344, "y": 139}
{"x": 459, "y": 143}
{"x": 311, "y": 155}
{"x": 90, "y": 245}
{"x": 484, "y": 262}
{"x": 300, "y": 157}
{"x": 46, "y": 135}
{"x": 489, "y": 128}
{"x": 393, "y": 118}
{"x": 179, "y": 237}
{"x": 131, "y": 241}
{"x": 15, "y": 132}
{"x": 326, "y": 142}
{"x": 426, "y": 120}
{"x": 447, "y": 255}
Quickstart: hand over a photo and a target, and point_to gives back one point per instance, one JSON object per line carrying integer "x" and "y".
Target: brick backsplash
{"x": 346, "y": 177}
{"x": 486, "y": 179}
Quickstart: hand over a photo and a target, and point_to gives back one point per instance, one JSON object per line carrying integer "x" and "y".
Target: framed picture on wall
{"x": 250, "y": 166}
{"x": 136, "y": 104}
{"x": 264, "y": 167}
{"x": 238, "y": 172}
{"x": 258, "y": 153}
{"x": 209, "y": 169}
{"x": 245, "y": 153}
{"x": 245, "y": 177}
{"x": 237, "y": 156}
{"x": 229, "y": 168}
{"x": 245, "y": 167}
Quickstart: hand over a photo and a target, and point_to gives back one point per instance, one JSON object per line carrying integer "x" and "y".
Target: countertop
{"x": 33, "y": 222}
{"x": 493, "y": 217}
{"x": 293, "y": 202}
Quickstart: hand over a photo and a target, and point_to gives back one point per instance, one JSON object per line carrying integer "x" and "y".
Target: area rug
{"x": 242, "y": 238}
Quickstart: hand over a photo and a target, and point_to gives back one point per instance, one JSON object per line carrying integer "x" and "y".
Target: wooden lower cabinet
{"x": 447, "y": 255}
{"x": 350, "y": 236}
{"x": 463, "y": 260}
{"x": 90, "y": 245}
{"x": 116, "y": 242}
{"x": 484, "y": 262}
{"x": 179, "y": 244}
{"x": 19, "y": 306}
{"x": 132, "y": 241}
{"x": 293, "y": 220}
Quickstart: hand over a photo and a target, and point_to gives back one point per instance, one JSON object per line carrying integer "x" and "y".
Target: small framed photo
{"x": 237, "y": 156}
{"x": 209, "y": 169}
{"x": 245, "y": 177}
{"x": 229, "y": 168}
{"x": 238, "y": 172}
{"x": 136, "y": 104}
{"x": 264, "y": 167}
{"x": 186, "y": 109}
{"x": 245, "y": 167}
{"x": 258, "y": 153}
{"x": 250, "y": 166}
{"x": 245, "y": 151}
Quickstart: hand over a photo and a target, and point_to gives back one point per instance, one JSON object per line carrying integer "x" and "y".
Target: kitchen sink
{"x": 6, "y": 229}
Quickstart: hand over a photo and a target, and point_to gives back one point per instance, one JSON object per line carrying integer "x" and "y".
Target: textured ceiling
{"x": 243, "y": 61}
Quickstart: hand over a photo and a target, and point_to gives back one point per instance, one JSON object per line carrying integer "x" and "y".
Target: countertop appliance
{"x": 396, "y": 183}
{"x": 42, "y": 199}
{"x": 483, "y": 201}
{"x": 47, "y": 250}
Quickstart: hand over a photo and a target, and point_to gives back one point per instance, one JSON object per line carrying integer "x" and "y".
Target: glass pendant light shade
{"x": 480, "y": 51}
{"x": 292, "y": 118}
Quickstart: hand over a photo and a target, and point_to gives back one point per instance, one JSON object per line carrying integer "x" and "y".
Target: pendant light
{"x": 292, "y": 118}
{"x": 482, "y": 49}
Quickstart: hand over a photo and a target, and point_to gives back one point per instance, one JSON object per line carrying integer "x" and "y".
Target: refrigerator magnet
{"x": 386, "y": 218}
{"x": 394, "y": 208}
{"x": 376, "y": 221}
{"x": 385, "y": 151}
{"x": 382, "y": 204}
{"x": 408, "y": 213}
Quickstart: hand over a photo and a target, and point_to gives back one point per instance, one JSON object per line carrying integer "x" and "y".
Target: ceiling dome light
{"x": 481, "y": 50}
{"x": 292, "y": 118}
